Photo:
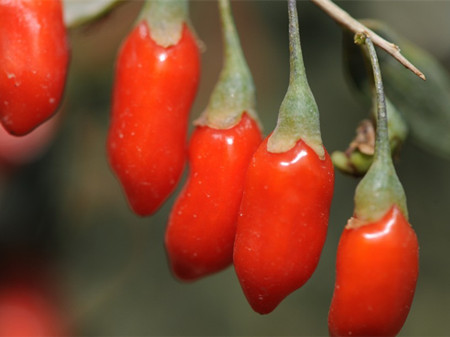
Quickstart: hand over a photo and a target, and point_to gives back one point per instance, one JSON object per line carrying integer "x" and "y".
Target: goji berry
{"x": 202, "y": 223}
{"x": 154, "y": 89}
{"x": 378, "y": 254}
{"x": 34, "y": 56}
{"x": 287, "y": 196}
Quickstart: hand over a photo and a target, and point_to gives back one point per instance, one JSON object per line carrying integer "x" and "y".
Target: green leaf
{"x": 424, "y": 104}
{"x": 78, "y": 12}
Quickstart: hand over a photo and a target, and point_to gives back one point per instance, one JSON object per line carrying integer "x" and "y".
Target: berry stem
{"x": 234, "y": 93}
{"x": 298, "y": 117}
{"x": 382, "y": 148}
{"x": 380, "y": 189}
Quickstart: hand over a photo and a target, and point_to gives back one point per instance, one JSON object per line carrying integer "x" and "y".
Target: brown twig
{"x": 345, "y": 20}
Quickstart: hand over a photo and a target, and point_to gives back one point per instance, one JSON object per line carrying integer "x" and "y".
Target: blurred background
{"x": 64, "y": 218}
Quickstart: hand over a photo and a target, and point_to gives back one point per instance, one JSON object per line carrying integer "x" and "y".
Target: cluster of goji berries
{"x": 259, "y": 204}
{"x": 263, "y": 204}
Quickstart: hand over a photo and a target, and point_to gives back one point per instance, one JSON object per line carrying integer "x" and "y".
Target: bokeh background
{"x": 108, "y": 266}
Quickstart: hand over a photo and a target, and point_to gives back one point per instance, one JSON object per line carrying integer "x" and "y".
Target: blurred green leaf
{"x": 78, "y": 12}
{"x": 425, "y": 104}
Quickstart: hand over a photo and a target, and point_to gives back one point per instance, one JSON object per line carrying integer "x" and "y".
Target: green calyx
{"x": 380, "y": 189}
{"x": 234, "y": 93}
{"x": 165, "y": 19}
{"x": 298, "y": 117}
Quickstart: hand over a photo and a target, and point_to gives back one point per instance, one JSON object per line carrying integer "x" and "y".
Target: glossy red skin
{"x": 153, "y": 94}
{"x": 376, "y": 274}
{"x": 283, "y": 223}
{"x": 34, "y": 55}
{"x": 202, "y": 223}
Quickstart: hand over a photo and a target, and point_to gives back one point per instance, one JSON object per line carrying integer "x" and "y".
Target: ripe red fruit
{"x": 283, "y": 223}
{"x": 287, "y": 196}
{"x": 34, "y": 56}
{"x": 376, "y": 275}
{"x": 202, "y": 224}
{"x": 378, "y": 254}
{"x": 153, "y": 93}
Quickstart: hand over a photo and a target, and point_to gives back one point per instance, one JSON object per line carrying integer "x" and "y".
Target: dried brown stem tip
{"x": 348, "y": 22}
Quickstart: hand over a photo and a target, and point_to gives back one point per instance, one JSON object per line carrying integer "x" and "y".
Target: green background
{"x": 111, "y": 266}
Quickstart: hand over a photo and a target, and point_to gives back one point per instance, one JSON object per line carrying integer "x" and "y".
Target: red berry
{"x": 34, "y": 56}
{"x": 376, "y": 275}
{"x": 202, "y": 224}
{"x": 283, "y": 223}
{"x": 153, "y": 93}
